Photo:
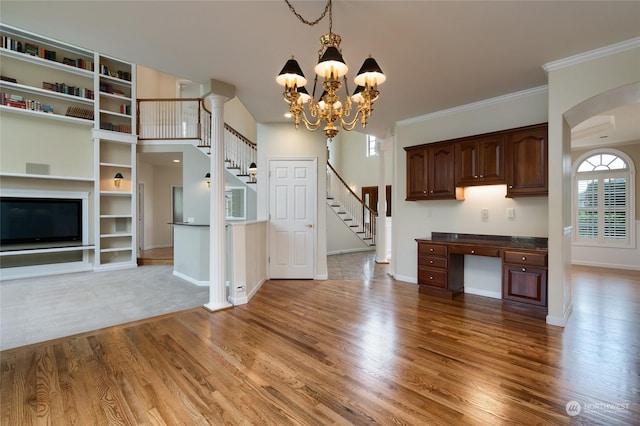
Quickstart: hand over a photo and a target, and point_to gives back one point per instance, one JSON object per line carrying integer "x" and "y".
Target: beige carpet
{"x": 38, "y": 309}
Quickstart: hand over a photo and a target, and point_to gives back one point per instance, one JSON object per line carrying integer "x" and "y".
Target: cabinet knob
{"x": 431, "y": 249}
{"x": 431, "y": 262}
{"x": 475, "y": 177}
{"x": 524, "y": 269}
{"x": 424, "y": 192}
{"x": 510, "y": 186}
{"x": 481, "y": 176}
{"x": 430, "y": 277}
{"x": 473, "y": 252}
{"x": 432, "y": 192}
{"x": 524, "y": 257}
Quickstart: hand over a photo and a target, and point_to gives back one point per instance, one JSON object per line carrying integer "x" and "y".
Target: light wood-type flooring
{"x": 361, "y": 351}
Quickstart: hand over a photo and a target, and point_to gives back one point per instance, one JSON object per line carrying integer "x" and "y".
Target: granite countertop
{"x": 502, "y": 241}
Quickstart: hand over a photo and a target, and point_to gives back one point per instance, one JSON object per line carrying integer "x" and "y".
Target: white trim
{"x": 475, "y": 105}
{"x": 404, "y": 278}
{"x": 191, "y": 280}
{"x": 561, "y": 322}
{"x": 482, "y": 292}
{"x": 353, "y": 250}
{"x": 607, "y": 265}
{"x": 592, "y": 54}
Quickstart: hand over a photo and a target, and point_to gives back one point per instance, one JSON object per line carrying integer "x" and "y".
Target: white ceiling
{"x": 436, "y": 54}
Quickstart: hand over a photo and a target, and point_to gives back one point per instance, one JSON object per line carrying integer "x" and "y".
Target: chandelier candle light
{"x": 333, "y": 69}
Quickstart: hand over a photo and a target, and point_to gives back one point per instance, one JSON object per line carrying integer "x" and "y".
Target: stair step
{"x": 335, "y": 205}
{"x": 341, "y": 212}
{"x": 233, "y": 168}
{"x": 242, "y": 175}
{"x": 346, "y": 219}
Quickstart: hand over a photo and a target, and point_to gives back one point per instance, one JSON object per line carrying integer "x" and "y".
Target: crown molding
{"x": 475, "y": 105}
{"x": 592, "y": 54}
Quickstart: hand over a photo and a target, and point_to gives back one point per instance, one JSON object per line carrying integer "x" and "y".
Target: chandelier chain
{"x": 327, "y": 8}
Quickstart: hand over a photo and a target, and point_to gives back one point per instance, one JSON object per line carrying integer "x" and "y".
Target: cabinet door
{"x": 491, "y": 159}
{"x": 441, "y": 181}
{"x": 417, "y": 166}
{"x": 527, "y": 162}
{"x": 524, "y": 284}
{"x": 466, "y": 163}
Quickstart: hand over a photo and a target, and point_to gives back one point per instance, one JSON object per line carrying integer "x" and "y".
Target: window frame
{"x": 371, "y": 150}
{"x": 600, "y": 175}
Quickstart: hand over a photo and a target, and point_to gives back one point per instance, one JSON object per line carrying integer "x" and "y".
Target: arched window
{"x": 604, "y": 192}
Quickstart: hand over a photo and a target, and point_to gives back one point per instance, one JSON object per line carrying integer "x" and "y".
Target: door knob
{"x": 309, "y": 225}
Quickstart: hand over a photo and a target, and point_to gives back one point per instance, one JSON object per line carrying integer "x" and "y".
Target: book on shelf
{"x": 125, "y": 109}
{"x": 9, "y": 79}
{"x": 78, "y": 112}
{"x": 114, "y": 127}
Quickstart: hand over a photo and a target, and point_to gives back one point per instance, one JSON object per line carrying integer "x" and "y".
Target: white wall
{"x": 416, "y": 219}
{"x": 281, "y": 141}
{"x": 572, "y": 82}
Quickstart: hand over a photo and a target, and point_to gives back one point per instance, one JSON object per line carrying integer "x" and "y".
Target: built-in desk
{"x": 524, "y": 264}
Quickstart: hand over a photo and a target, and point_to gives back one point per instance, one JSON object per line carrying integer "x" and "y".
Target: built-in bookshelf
{"x": 115, "y": 207}
{"x": 115, "y": 85}
{"x": 48, "y": 85}
{"x": 45, "y": 78}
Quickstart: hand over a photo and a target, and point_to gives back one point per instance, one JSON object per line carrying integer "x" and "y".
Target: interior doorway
{"x": 370, "y": 198}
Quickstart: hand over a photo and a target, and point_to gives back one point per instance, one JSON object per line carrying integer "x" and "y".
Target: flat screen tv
{"x": 26, "y": 220}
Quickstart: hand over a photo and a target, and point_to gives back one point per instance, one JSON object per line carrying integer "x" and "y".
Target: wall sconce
{"x": 117, "y": 179}
{"x": 207, "y": 178}
{"x": 253, "y": 171}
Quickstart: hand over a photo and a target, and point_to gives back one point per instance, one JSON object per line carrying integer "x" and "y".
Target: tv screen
{"x": 40, "y": 220}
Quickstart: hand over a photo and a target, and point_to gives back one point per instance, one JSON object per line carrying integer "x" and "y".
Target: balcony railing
{"x": 189, "y": 119}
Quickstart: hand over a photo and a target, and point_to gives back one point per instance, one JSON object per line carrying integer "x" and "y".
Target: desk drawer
{"x": 427, "y": 249}
{"x": 475, "y": 250}
{"x": 433, "y": 262}
{"x": 432, "y": 277}
{"x": 525, "y": 258}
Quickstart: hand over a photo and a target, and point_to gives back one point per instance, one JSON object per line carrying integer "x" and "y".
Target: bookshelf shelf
{"x": 115, "y": 114}
{"x": 45, "y": 115}
{"x": 50, "y": 177}
{"x": 35, "y": 60}
{"x": 22, "y": 88}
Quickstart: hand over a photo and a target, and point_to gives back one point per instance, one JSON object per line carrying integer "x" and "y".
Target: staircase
{"x": 188, "y": 120}
{"x": 353, "y": 212}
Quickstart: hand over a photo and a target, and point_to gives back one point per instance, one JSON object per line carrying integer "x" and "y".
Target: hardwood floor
{"x": 343, "y": 352}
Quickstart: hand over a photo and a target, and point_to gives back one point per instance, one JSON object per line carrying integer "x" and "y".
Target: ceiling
{"x": 436, "y": 54}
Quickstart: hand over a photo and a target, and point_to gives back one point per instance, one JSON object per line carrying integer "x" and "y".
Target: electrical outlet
{"x": 510, "y": 213}
{"x": 485, "y": 213}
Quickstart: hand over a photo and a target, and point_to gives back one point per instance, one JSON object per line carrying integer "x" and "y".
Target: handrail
{"x": 352, "y": 210}
{"x": 350, "y": 190}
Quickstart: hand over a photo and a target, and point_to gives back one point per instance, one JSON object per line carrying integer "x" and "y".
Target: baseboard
{"x": 353, "y": 250}
{"x": 482, "y": 292}
{"x": 191, "y": 280}
{"x": 412, "y": 280}
{"x": 561, "y": 322}
{"x": 607, "y": 265}
{"x": 321, "y": 277}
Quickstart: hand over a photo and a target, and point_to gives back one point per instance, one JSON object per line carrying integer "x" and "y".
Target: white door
{"x": 292, "y": 200}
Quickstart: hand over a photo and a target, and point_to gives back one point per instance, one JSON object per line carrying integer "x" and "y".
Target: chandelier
{"x": 331, "y": 67}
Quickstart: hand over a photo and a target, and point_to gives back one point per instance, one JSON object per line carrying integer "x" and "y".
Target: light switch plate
{"x": 485, "y": 213}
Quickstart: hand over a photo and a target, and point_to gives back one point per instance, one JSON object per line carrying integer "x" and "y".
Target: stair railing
{"x": 189, "y": 119}
{"x": 351, "y": 209}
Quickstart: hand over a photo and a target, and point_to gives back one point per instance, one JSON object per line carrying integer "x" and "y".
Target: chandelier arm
{"x": 310, "y": 125}
{"x": 327, "y": 8}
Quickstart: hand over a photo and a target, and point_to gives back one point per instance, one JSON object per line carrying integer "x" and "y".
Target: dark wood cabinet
{"x": 480, "y": 161}
{"x": 417, "y": 167}
{"x": 526, "y": 159}
{"x": 517, "y": 157}
{"x": 524, "y": 277}
{"x": 524, "y": 266}
{"x": 439, "y": 273}
{"x": 431, "y": 173}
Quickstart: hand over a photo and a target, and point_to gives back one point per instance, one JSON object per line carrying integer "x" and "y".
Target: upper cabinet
{"x": 527, "y": 165}
{"x": 430, "y": 173}
{"x": 517, "y": 157}
{"x": 480, "y": 161}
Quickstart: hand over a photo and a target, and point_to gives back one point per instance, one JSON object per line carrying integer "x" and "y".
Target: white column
{"x": 217, "y": 265}
{"x": 381, "y": 224}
